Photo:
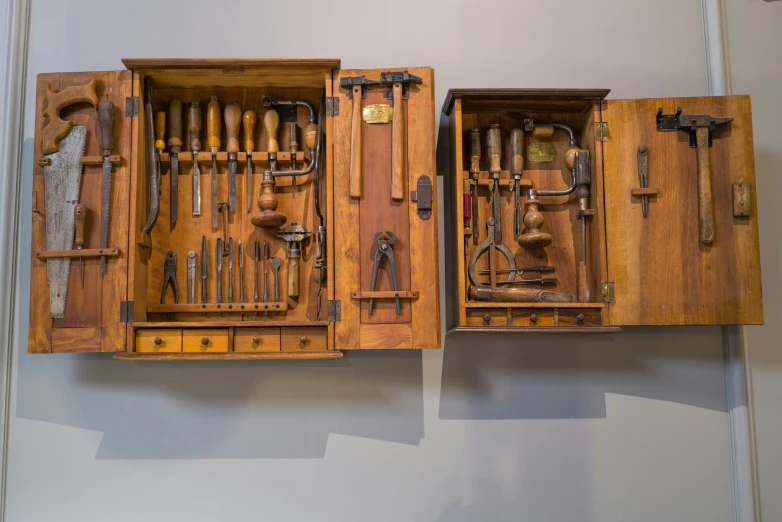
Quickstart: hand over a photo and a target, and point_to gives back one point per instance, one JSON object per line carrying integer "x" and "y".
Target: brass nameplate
{"x": 378, "y": 113}
{"x": 543, "y": 152}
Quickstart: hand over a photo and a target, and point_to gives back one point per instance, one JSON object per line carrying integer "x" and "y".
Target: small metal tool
{"x": 223, "y": 209}
{"x": 79, "y": 217}
{"x": 230, "y": 270}
{"x": 191, "y": 269}
{"x": 536, "y": 281}
{"x": 204, "y": 268}
{"x": 255, "y": 270}
{"x": 219, "y": 261}
{"x": 265, "y": 271}
{"x": 492, "y": 246}
{"x": 293, "y": 234}
{"x": 520, "y": 271}
{"x": 213, "y": 140}
{"x": 194, "y": 133}
{"x": 643, "y": 176}
{"x": 174, "y": 148}
{"x": 152, "y": 158}
{"x": 276, "y": 262}
{"x": 169, "y": 277}
{"x": 248, "y": 121}
{"x": 241, "y": 272}
{"x": 385, "y": 242}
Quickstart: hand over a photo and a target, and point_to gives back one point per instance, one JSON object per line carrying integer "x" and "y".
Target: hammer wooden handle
{"x": 57, "y": 129}
{"x": 705, "y": 197}
{"x": 398, "y": 160}
{"x": 516, "y": 295}
{"x": 356, "y": 145}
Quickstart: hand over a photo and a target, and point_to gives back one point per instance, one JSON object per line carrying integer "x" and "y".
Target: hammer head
{"x": 352, "y": 81}
{"x": 403, "y": 77}
{"x": 701, "y": 120}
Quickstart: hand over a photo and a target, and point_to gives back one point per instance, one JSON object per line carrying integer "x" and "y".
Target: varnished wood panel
{"x": 228, "y": 356}
{"x": 662, "y": 274}
{"x": 216, "y": 340}
{"x": 96, "y": 306}
{"x": 300, "y": 339}
{"x": 257, "y": 340}
{"x": 524, "y": 317}
{"x": 380, "y": 336}
{"x": 170, "y": 340}
{"x": 72, "y": 340}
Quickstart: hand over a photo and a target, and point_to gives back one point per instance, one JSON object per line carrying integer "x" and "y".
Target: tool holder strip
{"x": 84, "y": 253}
{"x": 272, "y": 307}
{"x": 385, "y": 294}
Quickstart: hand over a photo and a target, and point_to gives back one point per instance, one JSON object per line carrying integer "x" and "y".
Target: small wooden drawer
{"x": 580, "y": 317}
{"x": 257, "y": 340}
{"x": 159, "y": 340}
{"x": 487, "y": 317}
{"x": 303, "y": 339}
{"x": 203, "y": 340}
{"x": 532, "y": 317}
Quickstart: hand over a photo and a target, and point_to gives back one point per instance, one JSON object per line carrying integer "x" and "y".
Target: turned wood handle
{"x": 79, "y": 217}
{"x": 248, "y": 123}
{"x": 516, "y": 152}
{"x": 311, "y": 136}
{"x": 106, "y": 121}
{"x": 233, "y": 120}
{"x": 398, "y": 161}
{"x": 356, "y": 146}
{"x": 293, "y": 275}
{"x": 57, "y": 129}
{"x": 160, "y": 130}
{"x": 516, "y": 295}
{"x": 494, "y": 148}
{"x": 271, "y": 121}
{"x": 194, "y": 125}
{"x": 475, "y": 151}
{"x": 705, "y": 197}
{"x": 213, "y": 124}
{"x": 542, "y": 130}
{"x": 175, "y": 126}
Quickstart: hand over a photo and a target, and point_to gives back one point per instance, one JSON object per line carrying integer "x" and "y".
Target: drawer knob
{"x": 204, "y": 340}
{"x": 486, "y": 318}
{"x": 303, "y": 339}
{"x": 533, "y": 318}
{"x": 256, "y": 339}
{"x": 580, "y": 318}
{"x": 158, "y": 341}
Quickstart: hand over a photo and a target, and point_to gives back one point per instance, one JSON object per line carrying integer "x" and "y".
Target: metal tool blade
{"x": 104, "y": 210}
{"x": 276, "y": 262}
{"x": 196, "y": 186}
{"x": 232, "y": 185}
{"x": 214, "y": 191}
{"x": 230, "y": 270}
{"x": 204, "y": 268}
{"x": 241, "y": 272}
{"x": 255, "y": 270}
{"x": 174, "y": 187}
{"x": 265, "y": 271}
{"x": 191, "y": 262}
{"x": 62, "y": 184}
{"x": 248, "y": 182}
{"x": 219, "y": 262}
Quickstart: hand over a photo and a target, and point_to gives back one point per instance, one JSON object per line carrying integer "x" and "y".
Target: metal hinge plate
{"x": 423, "y": 196}
{"x": 334, "y": 310}
{"x": 126, "y": 312}
{"x": 332, "y": 106}
{"x": 608, "y": 292}
{"x": 131, "y": 106}
{"x": 601, "y": 131}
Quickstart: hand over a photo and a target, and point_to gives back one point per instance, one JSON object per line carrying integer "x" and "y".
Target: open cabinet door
{"x": 92, "y": 320}
{"x": 364, "y": 132}
{"x": 662, "y": 273}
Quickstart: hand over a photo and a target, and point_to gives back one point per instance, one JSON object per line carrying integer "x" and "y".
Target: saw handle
{"x": 248, "y": 123}
{"x": 57, "y": 128}
{"x": 194, "y": 125}
{"x": 175, "y": 126}
{"x": 160, "y": 130}
{"x": 79, "y": 218}
{"x": 271, "y": 121}
{"x": 233, "y": 120}
{"x": 356, "y": 145}
{"x": 398, "y": 142}
{"x": 106, "y": 121}
{"x": 213, "y": 124}
{"x": 705, "y": 196}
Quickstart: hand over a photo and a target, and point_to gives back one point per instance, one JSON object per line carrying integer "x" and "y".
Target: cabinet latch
{"x": 423, "y": 196}
{"x": 608, "y": 292}
{"x": 332, "y": 106}
{"x": 334, "y": 310}
{"x": 131, "y": 106}
{"x": 601, "y": 131}
{"x": 126, "y": 312}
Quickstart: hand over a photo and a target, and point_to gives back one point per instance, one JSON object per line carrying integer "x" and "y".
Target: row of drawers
{"x": 271, "y": 339}
{"x": 534, "y": 317}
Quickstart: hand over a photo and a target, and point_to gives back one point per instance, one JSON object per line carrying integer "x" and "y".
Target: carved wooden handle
{"x": 475, "y": 151}
{"x": 248, "y": 123}
{"x": 57, "y": 129}
{"x": 233, "y": 119}
{"x": 705, "y": 197}
{"x": 398, "y": 160}
{"x": 356, "y": 146}
{"x": 194, "y": 125}
{"x": 311, "y": 136}
{"x": 213, "y": 124}
{"x": 79, "y": 217}
{"x": 516, "y": 152}
{"x": 160, "y": 130}
{"x": 494, "y": 148}
{"x": 271, "y": 121}
{"x": 175, "y": 126}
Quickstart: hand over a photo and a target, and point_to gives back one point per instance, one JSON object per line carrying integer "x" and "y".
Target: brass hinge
{"x": 131, "y": 106}
{"x": 126, "y": 312}
{"x": 608, "y": 292}
{"x": 601, "y": 131}
{"x": 332, "y": 106}
{"x": 334, "y": 310}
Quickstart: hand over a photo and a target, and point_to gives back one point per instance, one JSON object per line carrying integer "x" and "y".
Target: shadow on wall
{"x": 567, "y": 377}
{"x": 200, "y": 410}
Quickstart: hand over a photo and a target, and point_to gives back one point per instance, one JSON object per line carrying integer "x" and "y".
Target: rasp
{"x": 106, "y": 121}
{"x": 62, "y": 183}
{"x": 219, "y": 264}
{"x": 230, "y": 270}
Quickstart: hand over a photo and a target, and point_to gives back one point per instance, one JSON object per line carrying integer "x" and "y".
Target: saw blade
{"x": 62, "y": 184}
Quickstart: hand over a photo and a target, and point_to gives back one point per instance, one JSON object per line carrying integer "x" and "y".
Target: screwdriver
{"x": 213, "y": 140}
{"x": 233, "y": 119}
{"x": 194, "y": 133}
{"x": 80, "y": 216}
{"x": 249, "y": 120}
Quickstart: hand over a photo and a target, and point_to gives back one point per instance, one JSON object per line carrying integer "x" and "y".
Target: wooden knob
{"x": 213, "y": 124}
{"x": 486, "y": 318}
{"x": 79, "y": 216}
{"x": 271, "y": 120}
{"x": 311, "y": 136}
{"x": 194, "y": 125}
{"x": 516, "y": 152}
{"x": 256, "y": 339}
{"x": 158, "y": 341}
{"x": 233, "y": 119}
{"x": 533, "y": 318}
{"x": 175, "y": 126}
{"x": 570, "y": 158}
{"x": 303, "y": 339}
{"x": 204, "y": 340}
{"x": 106, "y": 115}
{"x": 494, "y": 148}
{"x": 580, "y": 318}
{"x": 160, "y": 130}
{"x": 475, "y": 151}
{"x": 248, "y": 122}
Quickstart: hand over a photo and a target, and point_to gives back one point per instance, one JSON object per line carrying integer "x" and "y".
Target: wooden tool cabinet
{"x": 120, "y": 310}
{"x": 639, "y": 270}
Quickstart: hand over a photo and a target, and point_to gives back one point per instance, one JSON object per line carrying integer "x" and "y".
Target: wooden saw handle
{"x": 233, "y": 119}
{"x": 106, "y": 115}
{"x": 398, "y": 160}
{"x": 356, "y": 146}
{"x": 57, "y": 129}
{"x": 705, "y": 196}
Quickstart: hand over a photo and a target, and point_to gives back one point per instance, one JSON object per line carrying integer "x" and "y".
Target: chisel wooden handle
{"x": 705, "y": 197}
{"x": 516, "y": 152}
{"x": 311, "y": 136}
{"x": 271, "y": 121}
{"x": 356, "y": 145}
{"x": 398, "y": 160}
{"x": 194, "y": 124}
{"x": 106, "y": 121}
{"x": 213, "y": 124}
{"x": 57, "y": 129}
{"x": 160, "y": 130}
{"x": 79, "y": 218}
{"x": 516, "y": 295}
{"x": 175, "y": 126}
{"x": 494, "y": 148}
{"x": 233, "y": 119}
{"x": 248, "y": 123}
{"x": 475, "y": 151}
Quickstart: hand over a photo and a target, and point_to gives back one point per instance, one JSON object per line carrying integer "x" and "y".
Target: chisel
{"x": 230, "y": 270}
{"x": 160, "y": 138}
{"x": 204, "y": 268}
{"x": 174, "y": 148}
{"x": 194, "y": 133}
{"x": 241, "y": 272}
{"x": 213, "y": 140}
{"x": 233, "y": 119}
{"x": 249, "y": 145}
{"x": 219, "y": 260}
{"x": 516, "y": 170}
{"x": 255, "y": 270}
{"x": 265, "y": 271}
{"x": 106, "y": 121}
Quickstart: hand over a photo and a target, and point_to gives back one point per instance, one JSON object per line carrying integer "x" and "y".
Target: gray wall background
{"x": 630, "y": 426}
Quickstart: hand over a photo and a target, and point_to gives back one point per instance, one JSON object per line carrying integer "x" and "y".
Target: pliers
{"x": 385, "y": 241}
{"x": 169, "y": 277}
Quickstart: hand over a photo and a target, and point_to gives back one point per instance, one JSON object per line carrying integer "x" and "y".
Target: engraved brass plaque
{"x": 378, "y": 113}
{"x": 542, "y": 152}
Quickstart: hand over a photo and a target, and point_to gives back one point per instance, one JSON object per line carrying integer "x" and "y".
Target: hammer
{"x": 357, "y": 90}
{"x": 701, "y": 127}
{"x": 398, "y": 89}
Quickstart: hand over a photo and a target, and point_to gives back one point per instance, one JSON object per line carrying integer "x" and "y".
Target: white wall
{"x": 755, "y": 46}
{"x": 630, "y": 426}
